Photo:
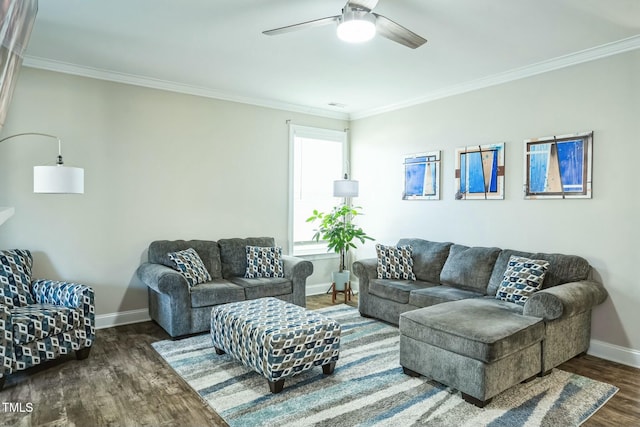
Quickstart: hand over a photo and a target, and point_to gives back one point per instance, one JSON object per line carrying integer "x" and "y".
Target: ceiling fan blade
{"x": 302, "y": 25}
{"x": 366, "y": 5}
{"x": 396, "y": 32}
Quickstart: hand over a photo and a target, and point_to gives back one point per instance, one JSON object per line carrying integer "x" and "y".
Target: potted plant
{"x": 339, "y": 232}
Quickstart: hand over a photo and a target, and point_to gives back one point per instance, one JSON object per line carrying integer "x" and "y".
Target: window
{"x": 317, "y": 158}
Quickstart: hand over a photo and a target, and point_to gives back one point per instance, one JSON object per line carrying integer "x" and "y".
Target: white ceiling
{"x": 216, "y": 47}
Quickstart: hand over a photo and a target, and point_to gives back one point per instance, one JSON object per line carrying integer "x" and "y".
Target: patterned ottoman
{"x": 276, "y": 339}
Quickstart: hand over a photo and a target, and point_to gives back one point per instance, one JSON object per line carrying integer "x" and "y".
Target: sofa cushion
{"x": 396, "y": 290}
{"x": 189, "y": 264}
{"x": 15, "y": 278}
{"x": 264, "y": 287}
{"x": 394, "y": 262}
{"x": 484, "y": 329}
{"x": 522, "y": 278}
{"x": 439, "y": 294}
{"x": 469, "y": 267}
{"x": 564, "y": 269}
{"x": 264, "y": 262}
{"x": 233, "y": 254}
{"x": 207, "y": 250}
{"x": 215, "y": 292}
{"x": 38, "y": 321}
{"x": 428, "y": 258}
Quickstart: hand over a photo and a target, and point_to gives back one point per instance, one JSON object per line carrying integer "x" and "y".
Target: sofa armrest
{"x": 163, "y": 279}
{"x": 365, "y": 270}
{"x": 73, "y": 295}
{"x": 298, "y": 269}
{"x": 565, "y": 300}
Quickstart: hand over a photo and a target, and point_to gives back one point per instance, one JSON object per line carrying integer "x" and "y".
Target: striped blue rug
{"x": 368, "y": 388}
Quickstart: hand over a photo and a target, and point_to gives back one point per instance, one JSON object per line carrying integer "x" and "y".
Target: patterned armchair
{"x": 40, "y": 320}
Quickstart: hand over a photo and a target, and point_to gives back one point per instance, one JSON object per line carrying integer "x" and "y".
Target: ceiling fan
{"x": 357, "y": 23}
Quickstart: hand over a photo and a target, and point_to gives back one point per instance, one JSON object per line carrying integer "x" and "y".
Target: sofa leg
{"x": 477, "y": 402}
{"x": 2, "y": 382}
{"x": 219, "y": 351}
{"x": 409, "y": 372}
{"x": 83, "y": 353}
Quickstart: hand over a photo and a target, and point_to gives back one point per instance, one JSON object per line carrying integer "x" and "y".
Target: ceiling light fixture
{"x": 356, "y": 26}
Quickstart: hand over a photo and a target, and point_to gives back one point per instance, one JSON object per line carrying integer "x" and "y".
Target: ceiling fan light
{"x": 356, "y": 26}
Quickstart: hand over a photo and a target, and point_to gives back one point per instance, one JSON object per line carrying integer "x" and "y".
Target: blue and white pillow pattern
{"x": 264, "y": 262}
{"x": 190, "y": 265}
{"x": 522, "y": 278}
{"x": 395, "y": 262}
{"x": 15, "y": 278}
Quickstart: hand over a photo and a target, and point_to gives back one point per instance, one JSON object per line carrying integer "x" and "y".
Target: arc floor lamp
{"x": 58, "y": 179}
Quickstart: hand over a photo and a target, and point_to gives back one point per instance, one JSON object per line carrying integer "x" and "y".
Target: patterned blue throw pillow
{"x": 15, "y": 278}
{"x": 190, "y": 265}
{"x": 264, "y": 262}
{"x": 395, "y": 262}
{"x": 522, "y": 278}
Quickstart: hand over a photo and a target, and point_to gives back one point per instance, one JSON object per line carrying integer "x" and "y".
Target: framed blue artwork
{"x": 422, "y": 176}
{"x": 480, "y": 172}
{"x": 558, "y": 167}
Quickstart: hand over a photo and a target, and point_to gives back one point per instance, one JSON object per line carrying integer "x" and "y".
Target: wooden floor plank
{"x": 124, "y": 382}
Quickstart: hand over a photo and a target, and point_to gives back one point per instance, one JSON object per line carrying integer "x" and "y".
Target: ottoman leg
{"x": 328, "y": 368}
{"x": 219, "y": 351}
{"x": 276, "y": 386}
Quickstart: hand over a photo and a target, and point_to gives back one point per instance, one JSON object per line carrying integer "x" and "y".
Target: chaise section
{"x": 489, "y": 359}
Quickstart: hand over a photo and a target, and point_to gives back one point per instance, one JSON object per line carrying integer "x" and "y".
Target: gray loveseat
{"x": 182, "y": 310}
{"x": 454, "y": 330}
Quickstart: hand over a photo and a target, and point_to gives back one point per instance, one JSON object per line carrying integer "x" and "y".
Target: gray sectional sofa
{"x": 454, "y": 330}
{"x": 183, "y": 310}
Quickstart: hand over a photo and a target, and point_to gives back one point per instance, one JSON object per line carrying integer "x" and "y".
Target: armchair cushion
{"x": 15, "y": 278}
{"x": 189, "y": 264}
{"x": 39, "y": 321}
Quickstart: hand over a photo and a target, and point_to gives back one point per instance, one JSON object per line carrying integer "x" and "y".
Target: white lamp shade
{"x": 345, "y": 188}
{"x": 58, "y": 179}
{"x": 356, "y": 27}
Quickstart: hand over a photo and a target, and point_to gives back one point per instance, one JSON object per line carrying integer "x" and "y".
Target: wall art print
{"x": 480, "y": 172}
{"x": 422, "y": 176}
{"x": 558, "y": 167}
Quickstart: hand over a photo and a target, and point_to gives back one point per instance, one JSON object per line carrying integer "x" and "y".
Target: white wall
{"x": 158, "y": 165}
{"x": 603, "y": 96}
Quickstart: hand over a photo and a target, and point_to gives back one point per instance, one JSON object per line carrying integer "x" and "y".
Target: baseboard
{"x": 615, "y": 353}
{"x": 122, "y": 318}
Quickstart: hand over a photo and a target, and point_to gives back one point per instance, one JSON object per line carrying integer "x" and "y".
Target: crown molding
{"x": 591, "y": 54}
{"x": 131, "y": 79}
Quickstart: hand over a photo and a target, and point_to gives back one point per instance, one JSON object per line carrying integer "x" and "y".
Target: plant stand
{"x": 348, "y": 293}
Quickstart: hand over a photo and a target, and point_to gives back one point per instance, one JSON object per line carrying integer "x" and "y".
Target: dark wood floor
{"x": 125, "y": 383}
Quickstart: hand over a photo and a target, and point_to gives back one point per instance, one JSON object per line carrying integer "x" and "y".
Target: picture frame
{"x": 480, "y": 172}
{"x": 421, "y": 176}
{"x": 559, "y": 167}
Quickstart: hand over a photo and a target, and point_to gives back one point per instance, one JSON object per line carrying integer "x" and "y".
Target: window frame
{"x": 313, "y": 249}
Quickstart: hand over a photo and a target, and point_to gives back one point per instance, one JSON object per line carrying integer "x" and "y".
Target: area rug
{"x": 369, "y": 388}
